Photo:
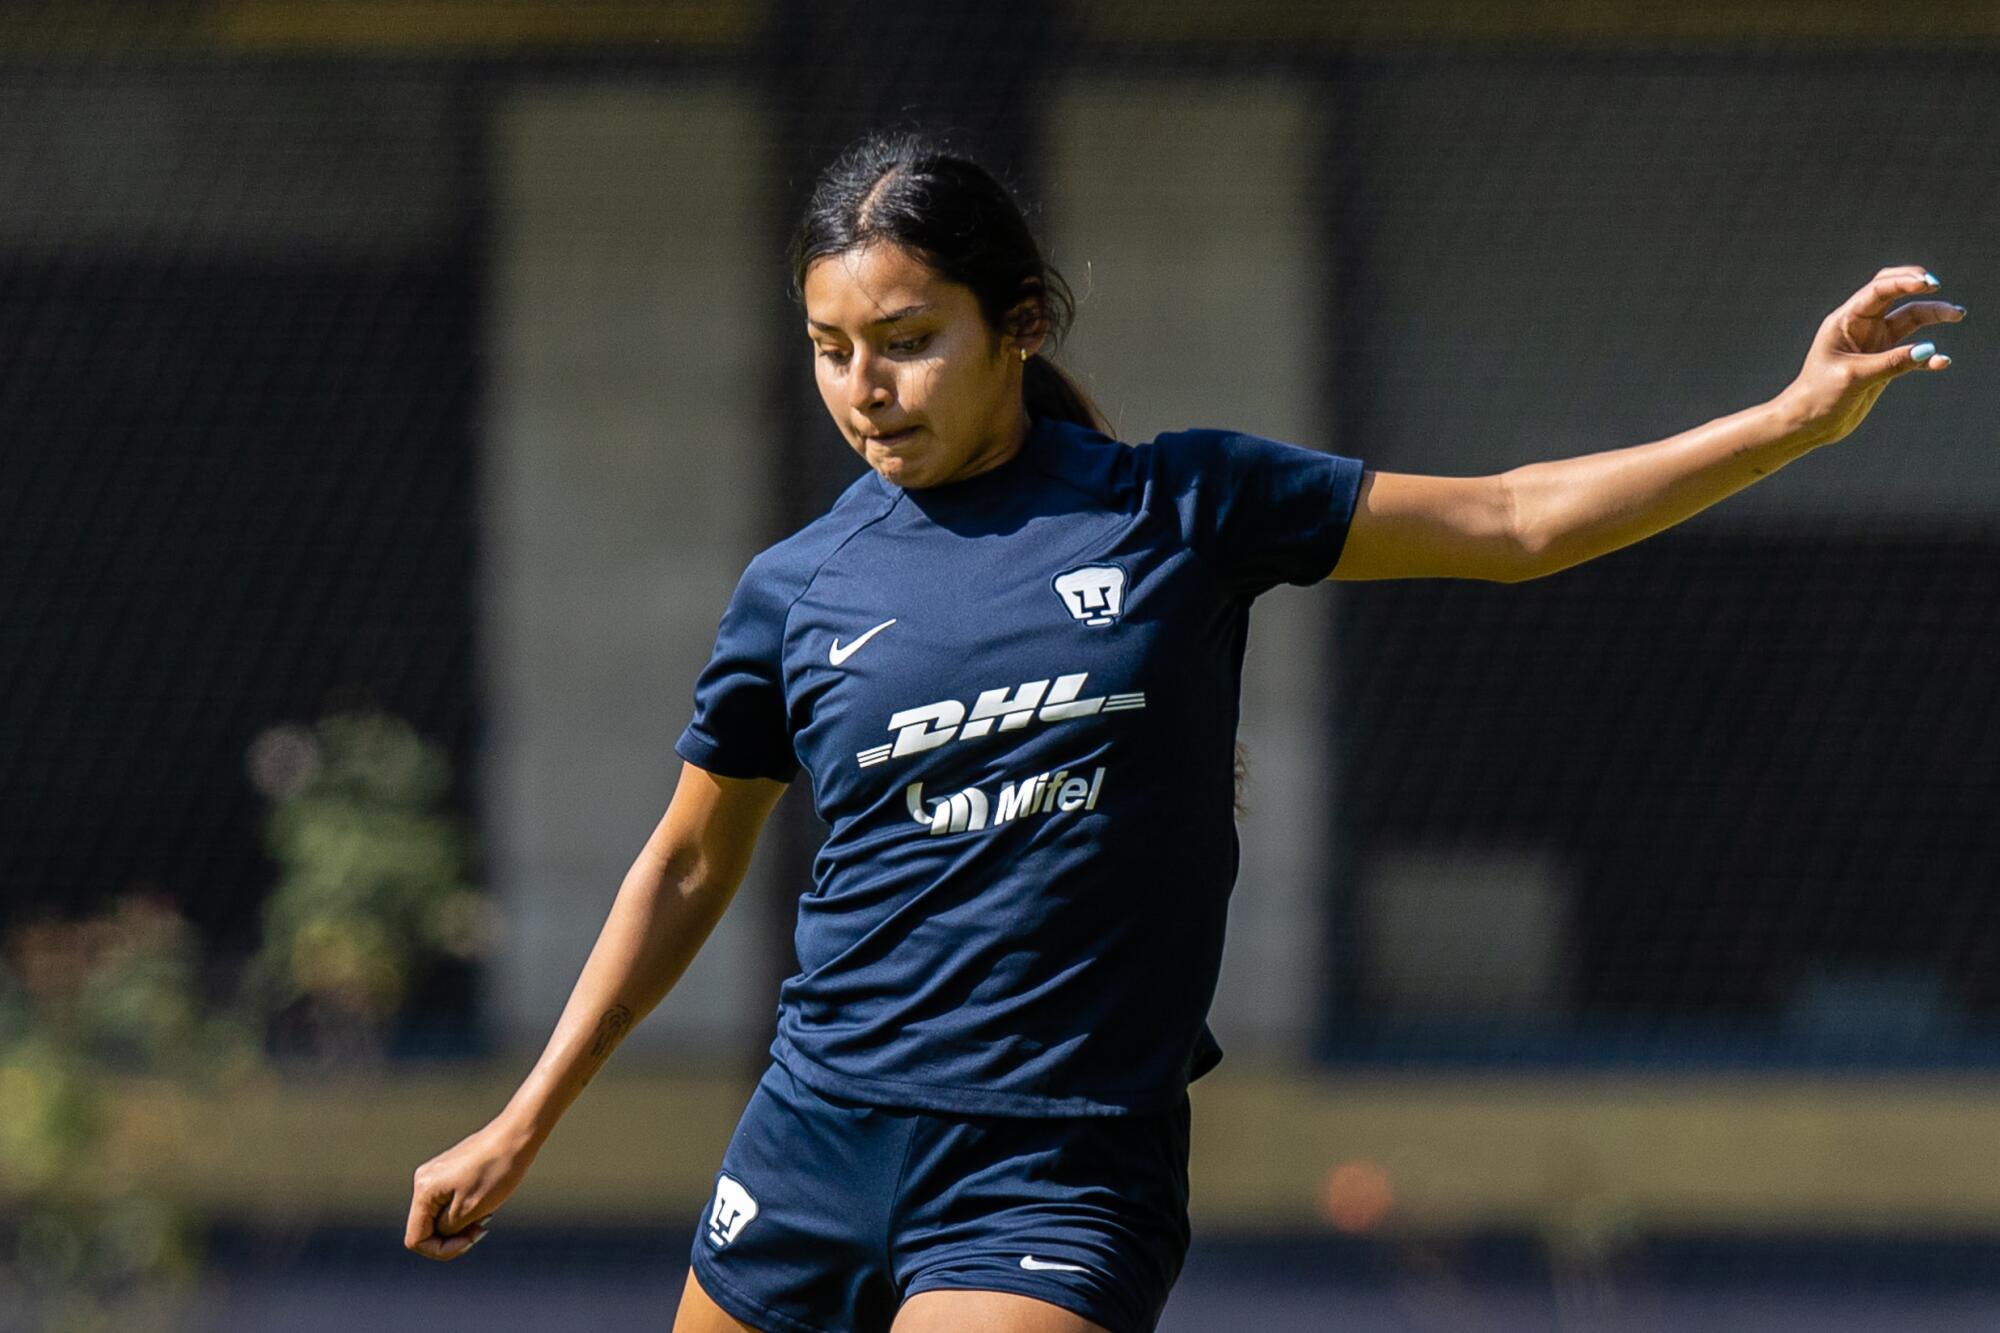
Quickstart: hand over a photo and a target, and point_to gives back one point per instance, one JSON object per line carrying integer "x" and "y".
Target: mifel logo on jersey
{"x": 1042, "y": 794}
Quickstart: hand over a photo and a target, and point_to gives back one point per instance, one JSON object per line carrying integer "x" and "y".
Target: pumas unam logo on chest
{"x": 1093, "y": 594}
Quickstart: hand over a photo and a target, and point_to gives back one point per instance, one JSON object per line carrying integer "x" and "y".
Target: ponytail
{"x": 1050, "y": 392}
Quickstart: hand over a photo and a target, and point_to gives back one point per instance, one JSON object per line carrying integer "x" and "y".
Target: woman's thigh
{"x": 986, "y": 1312}
{"x": 926, "y": 1312}
{"x": 699, "y": 1314}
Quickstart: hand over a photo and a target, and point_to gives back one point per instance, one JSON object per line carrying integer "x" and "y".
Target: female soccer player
{"x": 1009, "y": 658}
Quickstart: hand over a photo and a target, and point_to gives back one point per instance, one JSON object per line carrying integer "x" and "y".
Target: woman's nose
{"x": 867, "y": 380}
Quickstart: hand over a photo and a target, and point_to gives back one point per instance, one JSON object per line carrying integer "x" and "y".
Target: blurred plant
{"x": 371, "y": 890}
{"x": 82, "y": 1005}
{"x": 1590, "y": 1233}
{"x": 372, "y": 885}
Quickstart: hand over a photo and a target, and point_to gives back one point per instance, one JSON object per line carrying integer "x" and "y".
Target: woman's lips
{"x": 898, "y": 438}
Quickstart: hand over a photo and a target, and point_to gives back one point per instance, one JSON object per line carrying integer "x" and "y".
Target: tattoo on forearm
{"x": 610, "y": 1028}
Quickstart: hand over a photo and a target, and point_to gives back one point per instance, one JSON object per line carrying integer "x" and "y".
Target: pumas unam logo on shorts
{"x": 732, "y": 1211}
{"x": 1094, "y": 594}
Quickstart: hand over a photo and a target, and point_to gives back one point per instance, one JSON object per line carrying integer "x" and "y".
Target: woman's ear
{"x": 1027, "y": 325}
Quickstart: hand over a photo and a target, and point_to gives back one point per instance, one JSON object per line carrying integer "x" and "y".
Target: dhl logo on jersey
{"x": 1007, "y": 708}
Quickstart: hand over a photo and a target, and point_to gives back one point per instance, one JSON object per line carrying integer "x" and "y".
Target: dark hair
{"x": 907, "y": 187}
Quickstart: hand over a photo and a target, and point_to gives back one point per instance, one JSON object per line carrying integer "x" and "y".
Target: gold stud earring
{"x": 1024, "y": 354}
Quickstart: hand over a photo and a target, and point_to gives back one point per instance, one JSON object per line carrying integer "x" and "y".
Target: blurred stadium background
{"x": 1615, "y": 951}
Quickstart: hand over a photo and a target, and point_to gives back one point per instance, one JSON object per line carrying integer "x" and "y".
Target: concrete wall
{"x": 624, "y": 492}
{"x": 293, "y": 163}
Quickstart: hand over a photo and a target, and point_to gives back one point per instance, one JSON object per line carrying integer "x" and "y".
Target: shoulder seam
{"x": 1195, "y": 548}
{"x": 1041, "y": 466}
{"x": 785, "y": 625}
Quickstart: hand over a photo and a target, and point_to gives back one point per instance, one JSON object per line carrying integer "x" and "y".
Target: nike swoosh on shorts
{"x": 1032, "y": 1264}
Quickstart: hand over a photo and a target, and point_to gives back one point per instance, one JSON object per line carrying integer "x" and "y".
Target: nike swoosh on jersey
{"x": 837, "y": 654}
{"x": 1032, "y": 1264}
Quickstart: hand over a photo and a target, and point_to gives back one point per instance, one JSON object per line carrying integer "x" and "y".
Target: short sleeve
{"x": 1262, "y": 512}
{"x": 740, "y": 727}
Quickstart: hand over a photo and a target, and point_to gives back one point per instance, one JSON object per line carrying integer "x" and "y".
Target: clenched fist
{"x": 458, "y": 1190}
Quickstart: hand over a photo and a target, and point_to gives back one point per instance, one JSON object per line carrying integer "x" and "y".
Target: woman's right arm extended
{"x": 671, "y": 899}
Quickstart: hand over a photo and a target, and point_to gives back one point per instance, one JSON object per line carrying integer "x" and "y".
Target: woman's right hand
{"x": 671, "y": 898}
{"x": 456, "y": 1191}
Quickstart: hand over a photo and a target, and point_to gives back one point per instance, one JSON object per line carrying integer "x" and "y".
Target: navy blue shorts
{"x": 828, "y": 1213}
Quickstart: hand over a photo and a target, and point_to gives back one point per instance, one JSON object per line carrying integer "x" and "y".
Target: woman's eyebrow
{"x": 889, "y": 318}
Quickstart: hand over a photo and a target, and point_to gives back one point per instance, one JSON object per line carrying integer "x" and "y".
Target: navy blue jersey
{"x": 1016, "y": 696}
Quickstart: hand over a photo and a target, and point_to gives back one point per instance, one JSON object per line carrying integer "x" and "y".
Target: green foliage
{"x": 371, "y": 887}
{"x": 372, "y": 881}
{"x": 82, "y": 1003}
{"x": 51, "y": 1115}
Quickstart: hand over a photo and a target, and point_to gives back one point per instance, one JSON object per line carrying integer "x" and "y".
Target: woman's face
{"x": 922, "y": 387}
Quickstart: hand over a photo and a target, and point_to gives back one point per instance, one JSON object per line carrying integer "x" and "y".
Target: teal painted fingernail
{"x": 1922, "y": 351}
{"x": 1931, "y": 278}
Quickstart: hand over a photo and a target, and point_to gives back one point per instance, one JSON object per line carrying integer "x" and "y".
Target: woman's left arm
{"x": 1543, "y": 517}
